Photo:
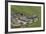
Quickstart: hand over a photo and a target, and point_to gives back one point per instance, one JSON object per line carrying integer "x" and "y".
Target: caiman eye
{"x": 21, "y": 14}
